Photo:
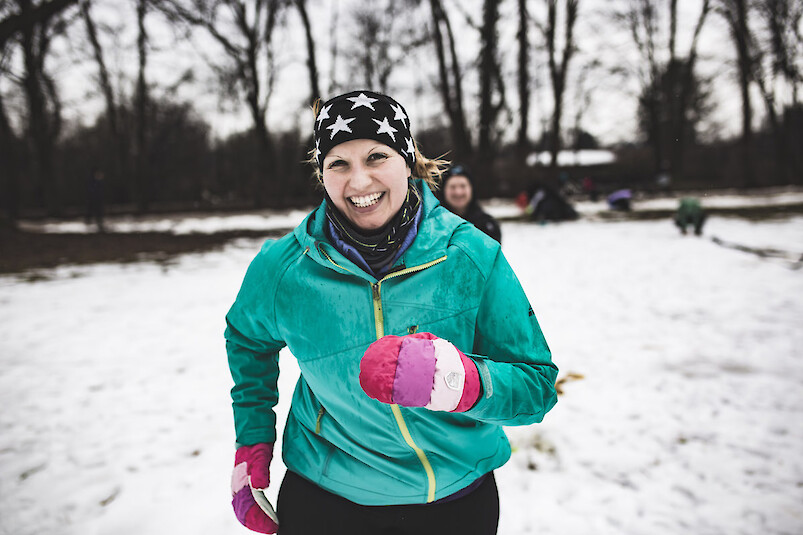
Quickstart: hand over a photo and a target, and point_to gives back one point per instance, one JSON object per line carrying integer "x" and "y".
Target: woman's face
{"x": 366, "y": 180}
{"x": 457, "y": 193}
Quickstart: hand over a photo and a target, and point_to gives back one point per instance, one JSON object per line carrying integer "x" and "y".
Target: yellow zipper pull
{"x": 318, "y": 421}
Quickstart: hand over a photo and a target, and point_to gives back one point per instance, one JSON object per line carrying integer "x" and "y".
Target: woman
{"x": 458, "y": 197}
{"x": 414, "y": 339}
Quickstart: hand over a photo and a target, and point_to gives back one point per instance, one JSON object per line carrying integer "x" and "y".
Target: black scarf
{"x": 378, "y": 248}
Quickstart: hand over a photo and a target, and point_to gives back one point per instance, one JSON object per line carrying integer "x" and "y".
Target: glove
{"x": 419, "y": 370}
{"x": 251, "y": 471}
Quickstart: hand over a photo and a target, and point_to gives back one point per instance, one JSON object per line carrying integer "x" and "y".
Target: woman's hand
{"x": 252, "y": 475}
{"x": 419, "y": 370}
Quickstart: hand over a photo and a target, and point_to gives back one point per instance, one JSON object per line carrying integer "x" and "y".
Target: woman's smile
{"x": 366, "y": 201}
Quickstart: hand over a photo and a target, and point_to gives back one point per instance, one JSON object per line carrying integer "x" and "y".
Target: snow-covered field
{"x": 116, "y": 420}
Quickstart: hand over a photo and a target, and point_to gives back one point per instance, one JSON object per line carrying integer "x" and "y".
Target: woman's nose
{"x": 360, "y": 177}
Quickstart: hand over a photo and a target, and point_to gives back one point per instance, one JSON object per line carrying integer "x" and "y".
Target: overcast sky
{"x": 610, "y": 115}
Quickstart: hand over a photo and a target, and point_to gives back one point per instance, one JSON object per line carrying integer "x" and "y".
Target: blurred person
{"x": 690, "y": 214}
{"x": 414, "y": 338}
{"x": 546, "y": 204}
{"x": 620, "y": 200}
{"x": 95, "y": 199}
{"x": 458, "y": 197}
{"x": 590, "y": 188}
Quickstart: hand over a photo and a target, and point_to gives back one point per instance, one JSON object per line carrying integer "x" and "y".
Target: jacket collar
{"x": 434, "y": 232}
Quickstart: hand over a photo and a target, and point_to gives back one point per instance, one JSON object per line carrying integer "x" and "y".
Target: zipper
{"x": 318, "y": 420}
{"x": 376, "y": 291}
{"x": 329, "y": 258}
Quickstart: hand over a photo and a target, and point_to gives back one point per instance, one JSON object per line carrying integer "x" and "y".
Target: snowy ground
{"x": 116, "y": 419}
{"x": 286, "y": 219}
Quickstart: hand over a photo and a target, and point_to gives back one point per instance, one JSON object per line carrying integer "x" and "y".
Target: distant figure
{"x": 590, "y": 189}
{"x": 546, "y": 204}
{"x": 458, "y": 197}
{"x": 690, "y": 213}
{"x": 620, "y": 200}
{"x": 95, "y": 199}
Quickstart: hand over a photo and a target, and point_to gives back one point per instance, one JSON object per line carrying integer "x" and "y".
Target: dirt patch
{"x": 21, "y": 251}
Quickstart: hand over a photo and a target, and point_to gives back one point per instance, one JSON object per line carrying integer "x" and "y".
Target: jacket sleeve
{"x": 512, "y": 356}
{"x": 253, "y": 353}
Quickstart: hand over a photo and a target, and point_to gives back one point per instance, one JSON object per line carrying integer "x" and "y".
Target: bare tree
{"x": 523, "y": 78}
{"x": 490, "y": 103}
{"x": 558, "y": 70}
{"x": 10, "y": 147}
{"x": 383, "y": 40}
{"x": 35, "y": 34}
{"x": 735, "y": 13}
{"x": 30, "y": 16}
{"x": 667, "y": 79}
{"x": 776, "y": 71}
{"x": 141, "y": 183}
{"x": 244, "y": 30}
{"x": 450, "y": 80}
{"x": 312, "y": 67}
{"x": 107, "y": 90}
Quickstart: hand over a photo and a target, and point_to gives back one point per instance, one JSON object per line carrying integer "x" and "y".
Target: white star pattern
{"x": 400, "y": 115}
{"x": 317, "y": 150}
{"x": 324, "y": 114}
{"x": 340, "y": 125}
{"x": 385, "y": 128}
{"x": 410, "y": 147}
{"x": 363, "y": 100}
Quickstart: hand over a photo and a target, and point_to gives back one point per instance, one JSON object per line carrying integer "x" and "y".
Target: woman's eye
{"x": 376, "y": 156}
{"x": 335, "y": 163}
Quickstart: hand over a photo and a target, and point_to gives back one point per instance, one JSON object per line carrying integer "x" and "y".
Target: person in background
{"x": 415, "y": 342}
{"x": 620, "y": 200}
{"x": 690, "y": 213}
{"x": 458, "y": 197}
{"x": 95, "y": 198}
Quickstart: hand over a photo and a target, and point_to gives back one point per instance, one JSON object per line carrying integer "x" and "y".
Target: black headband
{"x": 363, "y": 115}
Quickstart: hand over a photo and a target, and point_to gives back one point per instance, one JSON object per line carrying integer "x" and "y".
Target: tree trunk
{"x": 29, "y": 16}
{"x": 312, "y": 68}
{"x": 735, "y": 12}
{"x": 522, "y": 141}
{"x": 686, "y": 83}
{"x": 9, "y": 146}
{"x": 118, "y": 171}
{"x": 40, "y": 128}
{"x": 141, "y": 184}
{"x": 450, "y": 90}
{"x": 488, "y": 37}
{"x": 557, "y": 72}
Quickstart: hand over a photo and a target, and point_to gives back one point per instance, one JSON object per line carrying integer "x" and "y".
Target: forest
{"x": 135, "y": 90}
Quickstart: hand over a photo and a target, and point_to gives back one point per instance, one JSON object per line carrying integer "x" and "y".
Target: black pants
{"x": 306, "y": 509}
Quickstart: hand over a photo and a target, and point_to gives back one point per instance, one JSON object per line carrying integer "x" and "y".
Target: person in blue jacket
{"x": 415, "y": 342}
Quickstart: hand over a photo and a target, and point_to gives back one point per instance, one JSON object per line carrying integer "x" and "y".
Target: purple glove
{"x": 419, "y": 370}
{"x": 251, "y": 471}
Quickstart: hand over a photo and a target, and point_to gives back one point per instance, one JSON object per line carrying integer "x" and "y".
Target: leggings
{"x": 306, "y": 509}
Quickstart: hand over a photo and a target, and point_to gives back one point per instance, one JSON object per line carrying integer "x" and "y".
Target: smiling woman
{"x": 415, "y": 342}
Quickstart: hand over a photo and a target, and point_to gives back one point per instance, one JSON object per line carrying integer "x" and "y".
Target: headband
{"x": 363, "y": 115}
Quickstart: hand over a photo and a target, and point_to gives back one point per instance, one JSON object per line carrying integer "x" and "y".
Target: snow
{"x": 116, "y": 416}
{"x": 582, "y": 157}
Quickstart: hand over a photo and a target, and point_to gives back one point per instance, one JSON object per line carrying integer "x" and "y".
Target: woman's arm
{"x": 511, "y": 354}
{"x": 253, "y": 354}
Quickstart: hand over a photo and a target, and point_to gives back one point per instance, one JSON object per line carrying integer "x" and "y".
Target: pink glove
{"x": 419, "y": 370}
{"x": 251, "y": 471}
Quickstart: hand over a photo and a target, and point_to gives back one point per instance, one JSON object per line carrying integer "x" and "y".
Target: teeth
{"x": 364, "y": 201}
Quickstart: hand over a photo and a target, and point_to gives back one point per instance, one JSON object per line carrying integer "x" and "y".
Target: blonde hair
{"x": 430, "y": 170}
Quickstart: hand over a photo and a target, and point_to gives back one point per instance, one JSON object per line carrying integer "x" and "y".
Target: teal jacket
{"x": 454, "y": 282}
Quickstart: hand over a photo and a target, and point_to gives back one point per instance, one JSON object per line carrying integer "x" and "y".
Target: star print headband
{"x": 363, "y": 115}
